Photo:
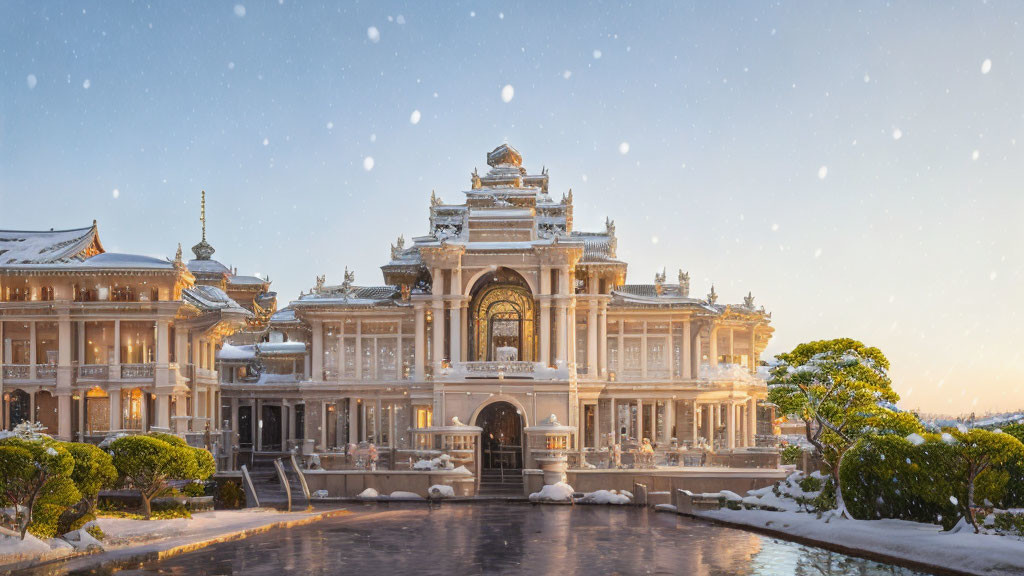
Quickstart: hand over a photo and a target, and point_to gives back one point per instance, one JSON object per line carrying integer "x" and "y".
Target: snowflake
{"x": 373, "y": 34}
{"x": 507, "y": 93}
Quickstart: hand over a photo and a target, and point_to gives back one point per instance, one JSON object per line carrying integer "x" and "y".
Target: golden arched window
{"x": 503, "y": 324}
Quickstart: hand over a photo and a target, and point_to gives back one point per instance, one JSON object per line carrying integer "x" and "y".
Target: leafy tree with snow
{"x": 976, "y": 452}
{"x": 34, "y": 472}
{"x": 145, "y": 463}
{"x": 94, "y": 470}
{"x": 842, "y": 391}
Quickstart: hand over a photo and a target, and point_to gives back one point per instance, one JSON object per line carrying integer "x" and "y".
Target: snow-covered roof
{"x": 284, "y": 315}
{"x": 207, "y": 267}
{"x": 211, "y": 298}
{"x": 116, "y": 260}
{"x": 48, "y": 247}
{"x": 245, "y": 280}
{"x": 248, "y": 352}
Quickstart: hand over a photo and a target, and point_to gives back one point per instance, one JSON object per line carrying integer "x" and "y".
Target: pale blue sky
{"x": 909, "y": 242}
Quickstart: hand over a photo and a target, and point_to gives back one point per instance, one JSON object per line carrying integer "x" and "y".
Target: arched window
{"x": 46, "y": 293}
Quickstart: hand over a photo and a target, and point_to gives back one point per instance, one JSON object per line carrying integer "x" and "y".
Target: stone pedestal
{"x": 554, "y": 468}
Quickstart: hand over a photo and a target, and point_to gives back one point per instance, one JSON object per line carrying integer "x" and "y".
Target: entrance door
{"x": 270, "y": 434}
{"x": 502, "y": 436}
{"x": 245, "y": 427}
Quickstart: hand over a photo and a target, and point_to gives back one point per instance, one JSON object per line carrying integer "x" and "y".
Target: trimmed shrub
{"x": 169, "y": 438}
{"x": 890, "y": 477}
{"x": 231, "y": 496}
{"x": 791, "y": 454}
{"x": 94, "y": 470}
{"x": 146, "y": 463}
{"x": 194, "y": 489}
{"x": 35, "y": 478}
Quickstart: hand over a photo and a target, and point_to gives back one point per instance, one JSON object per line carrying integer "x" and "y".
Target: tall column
{"x": 81, "y": 342}
{"x": 615, "y": 423}
{"x": 570, "y": 324}
{"x": 732, "y": 345}
{"x": 456, "y": 328}
{"x": 639, "y": 420}
{"x": 163, "y": 355}
{"x": 117, "y": 349}
{"x": 593, "y": 363}
{"x": 752, "y": 356}
{"x": 163, "y": 411}
{"x": 32, "y": 358}
{"x": 751, "y": 422}
{"x": 730, "y": 425}
{"x": 687, "y": 360}
{"x": 560, "y": 333}
{"x": 741, "y": 411}
{"x": 439, "y": 323}
{"x": 81, "y": 417}
{"x": 602, "y": 342}
{"x": 545, "y": 332}
{"x": 317, "y": 355}
{"x": 694, "y": 432}
{"x": 713, "y": 347}
{"x": 421, "y": 350}
{"x": 359, "y": 349}
{"x": 353, "y": 420}
{"x": 643, "y": 350}
{"x": 698, "y": 354}
{"x": 670, "y": 351}
{"x": 115, "y": 409}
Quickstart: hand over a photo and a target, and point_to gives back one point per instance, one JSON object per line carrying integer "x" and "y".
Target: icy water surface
{"x": 460, "y": 539}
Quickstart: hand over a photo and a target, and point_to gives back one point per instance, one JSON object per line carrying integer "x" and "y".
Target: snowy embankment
{"x": 126, "y": 535}
{"x": 925, "y": 544}
{"x": 783, "y": 509}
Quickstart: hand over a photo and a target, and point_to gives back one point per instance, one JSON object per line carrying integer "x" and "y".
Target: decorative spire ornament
{"x": 748, "y": 300}
{"x": 684, "y": 283}
{"x": 203, "y": 250}
{"x": 712, "y": 296}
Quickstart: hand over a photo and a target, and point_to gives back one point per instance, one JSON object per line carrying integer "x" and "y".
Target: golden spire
{"x": 202, "y": 214}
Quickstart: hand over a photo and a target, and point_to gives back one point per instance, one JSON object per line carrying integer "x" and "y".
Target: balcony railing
{"x": 16, "y": 371}
{"x": 136, "y": 371}
{"x": 515, "y": 369}
{"x": 46, "y": 372}
{"x": 93, "y": 372}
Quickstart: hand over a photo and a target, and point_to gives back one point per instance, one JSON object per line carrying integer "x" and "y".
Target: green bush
{"x": 194, "y": 489}
{"x": 96, "y": 532}
{"x": 791, "y": 454}
{"x": 94, "y": 470}
{"x": 231, "y": 496}
{"x": 146, "y": 463}
{"x": 169, "y": 438}
{"x": 35, "y": 479}
{"x": 1016, "y": 430}
{"x": 890, "y": 477}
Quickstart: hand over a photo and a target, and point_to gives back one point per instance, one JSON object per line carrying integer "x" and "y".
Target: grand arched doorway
{"x": 502, "y": 318}
{"x": 501, "y": 440}
{"x": 18, "y": 407}
{"x": 46, "y": 411}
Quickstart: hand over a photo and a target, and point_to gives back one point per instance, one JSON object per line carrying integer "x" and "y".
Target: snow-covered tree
{"x": 842, "y": 391}
{"x": 975, "y": 452}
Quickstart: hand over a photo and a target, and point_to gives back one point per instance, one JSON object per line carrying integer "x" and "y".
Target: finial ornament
{"x": 748, "y": 300}
{"x": 684, "y": 283}
{"x": 434, "y": 200}
{"x": 177, "y": 255}
{"x": 609, "y": 226}
{"x": 320, "y": 279}
{"x": 712, "y": 296}
{"x": 475, "y": 179}
{"x": 659, "y": 282}
{"x": 570, "y": 196}
{"x": 346, "y": 285}
{"x": 203, "y": 250}
{"x": 398, "y": 246}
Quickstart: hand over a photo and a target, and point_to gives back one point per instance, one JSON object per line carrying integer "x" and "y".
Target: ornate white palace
{"x": 500, "y": 316}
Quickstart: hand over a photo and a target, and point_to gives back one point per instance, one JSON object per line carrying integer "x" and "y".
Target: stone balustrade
{"x": 16, "y": 371}
{"x": 93, "y": 372}
{"x": 137, "y": 371}
{"x": 513, "y": 369}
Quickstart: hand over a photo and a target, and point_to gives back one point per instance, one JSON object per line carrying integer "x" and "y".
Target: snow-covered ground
{"x": 924, "y": 543}
{"x": 127, "y": 535}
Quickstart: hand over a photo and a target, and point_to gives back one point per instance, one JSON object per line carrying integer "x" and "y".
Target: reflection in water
{"x": 514, "y": 539}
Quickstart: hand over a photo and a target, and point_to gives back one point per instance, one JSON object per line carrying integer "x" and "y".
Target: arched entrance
{"x": 502, "y": 318}
{"x": 18, "y": 406}
{"x": 501, "y": 441}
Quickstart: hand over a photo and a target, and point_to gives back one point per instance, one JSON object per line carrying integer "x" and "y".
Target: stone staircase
{"x": 495, "y": 483}
{"x": 268, "y": 485}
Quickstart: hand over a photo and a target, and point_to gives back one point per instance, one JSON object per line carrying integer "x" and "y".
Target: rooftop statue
{"x": 475, "y": 179}
{"x": 504, "y": 154}
{"x": 712, "y": 296}
{"x": 320, "y": 283}
{"x": 397, "y": 247}
{"x": 659, "y": 282}
{"x": 609, "y": 226}
{"x": 684, "y": 283}
{"x": 748, "y": 300}
{"x": 434, "y": 199}
{"x": 346, "y": 285}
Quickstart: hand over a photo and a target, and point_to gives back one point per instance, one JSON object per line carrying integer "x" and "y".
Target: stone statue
{"x": 475, "y": 177}
{"x": 609, "y": 226}
{"x": 320, "y": 283}
{"x": 406, "y": 290}
{"x": 456, "y": 421}
{"x": 748, "y": 300}
{"x": 346, "y": 285}
{"x": 684, "y": 283}
{"x": 659, "y": 282}
{"x": 712, "y": 296}
{"x": 434, "y": 200}
{"x": 398, "y": 247}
